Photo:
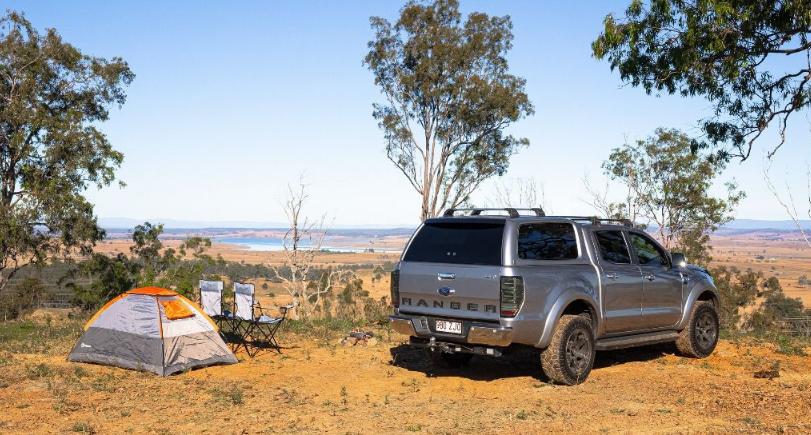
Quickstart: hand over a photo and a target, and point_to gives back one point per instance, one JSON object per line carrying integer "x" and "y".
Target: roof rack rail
{"x": 513, "y": 212}
{"x": 594, "y": 220}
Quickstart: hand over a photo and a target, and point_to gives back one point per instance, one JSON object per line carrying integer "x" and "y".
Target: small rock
{"x": 372, "y": 341}
{"x": 767, "y": 374}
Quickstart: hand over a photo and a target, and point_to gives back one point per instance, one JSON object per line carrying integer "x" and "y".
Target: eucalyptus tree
{"x": 671, "y": 187}
{"x": 750, "y": 58}
{"x": 449, "y": 96}
{"x": 52, "y": 99}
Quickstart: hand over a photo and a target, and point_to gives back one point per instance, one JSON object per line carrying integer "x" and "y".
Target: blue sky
{"x": 233, "y": 101}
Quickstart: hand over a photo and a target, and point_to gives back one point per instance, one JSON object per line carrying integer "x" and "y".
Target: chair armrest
{"x": 258, "y": 307}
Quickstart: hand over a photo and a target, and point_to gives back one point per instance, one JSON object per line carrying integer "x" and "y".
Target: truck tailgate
{"x": 450, "y": 290}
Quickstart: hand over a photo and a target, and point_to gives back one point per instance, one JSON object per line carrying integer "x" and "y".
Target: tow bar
{"x": 442, "y": 346}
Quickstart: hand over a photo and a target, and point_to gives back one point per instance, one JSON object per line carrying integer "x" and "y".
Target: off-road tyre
{"x": 570, "y": 355}
{"x": 700, "y": 337}
{"x": 449, "y": 360}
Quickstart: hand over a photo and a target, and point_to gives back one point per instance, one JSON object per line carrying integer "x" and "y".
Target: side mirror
{"x": 678, "y": 260}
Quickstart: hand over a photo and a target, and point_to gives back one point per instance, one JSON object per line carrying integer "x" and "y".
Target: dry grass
{"x": 319, "y": 386}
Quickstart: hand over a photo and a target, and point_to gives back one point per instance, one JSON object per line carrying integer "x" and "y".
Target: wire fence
{"x": 56, "y": 300}
{"x": 795, "y": 326}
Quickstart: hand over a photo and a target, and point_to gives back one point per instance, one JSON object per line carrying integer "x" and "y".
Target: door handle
{"x": 443, "y": 276}
{"x": 611, "y": 275}
{"x": 650, "y": 277}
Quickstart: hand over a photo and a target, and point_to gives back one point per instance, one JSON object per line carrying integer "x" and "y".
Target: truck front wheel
{"x": 570, "y": 355}
{"x": 699, "y": 338}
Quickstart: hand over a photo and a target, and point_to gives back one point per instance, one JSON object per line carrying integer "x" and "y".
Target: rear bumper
{"x": 402, "y": 326}
{"x": 487, "y": 334}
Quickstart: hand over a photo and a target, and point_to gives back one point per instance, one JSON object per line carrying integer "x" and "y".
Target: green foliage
{"x": 449, "y": 97}
{"x": 724, "y": 51}
{"x": 23, "y": 297}
{"x": 183, "y": 270}
{"x": 52, "y": 99}
{"x": 146, "y": 251}
{"x": 110, "y": 276}
{"x": 775, "y": 308}
{"x": 32, "y": 337}
{"x": 39, "y": 371}
{"x": 670, "y": 187}
{"x": 83, "y": 427}
{"x": 153, "y": 264}
{"x": 232, "y": 395}
{"x": 377, "y": 311}
{"x": 737, "y": 290}
{"x": 150, "y": 264}
{"x": 789, "y": 346}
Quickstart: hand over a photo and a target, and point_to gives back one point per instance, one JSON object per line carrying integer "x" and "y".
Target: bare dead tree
{"x": 788, "y": 202}
{"x": 598, "y": 198}
{"x": 301, "y": 244}
{"x": 518, "y": 192}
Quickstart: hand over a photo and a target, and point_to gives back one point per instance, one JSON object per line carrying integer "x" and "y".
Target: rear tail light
{"x": 512, "y": 295}
{"x": 395, "y": 288}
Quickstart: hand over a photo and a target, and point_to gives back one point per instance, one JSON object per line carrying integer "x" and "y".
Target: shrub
{"x": 24, "y": 296}
{"x": 83, "y": 427}
{"x": 39, "y": 371}
{"x": 230, "y": 396}
{"x": 736, "y": 290}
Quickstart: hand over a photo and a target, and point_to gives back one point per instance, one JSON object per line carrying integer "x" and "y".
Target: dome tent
{"x": 152, "y": 329}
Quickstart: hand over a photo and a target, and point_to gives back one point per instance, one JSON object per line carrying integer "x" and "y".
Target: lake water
{"x": 275, "y": 244}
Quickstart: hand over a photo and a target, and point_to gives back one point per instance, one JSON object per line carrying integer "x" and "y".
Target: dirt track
{"x": 388, "y": 388}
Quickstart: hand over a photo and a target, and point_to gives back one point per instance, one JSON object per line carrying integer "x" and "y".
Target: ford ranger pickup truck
{"x": 479, "y": 283}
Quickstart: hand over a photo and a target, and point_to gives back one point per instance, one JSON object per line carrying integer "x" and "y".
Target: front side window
{"x": 647, "y": 251}
{"x": 547, "y": 241}
{"x": 612, "y": 247}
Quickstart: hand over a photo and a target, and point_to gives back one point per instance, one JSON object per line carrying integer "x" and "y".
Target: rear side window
{"x": 457, "y": 243}
{"x": 612, "y": 247}
{"x": 547, "y": 241}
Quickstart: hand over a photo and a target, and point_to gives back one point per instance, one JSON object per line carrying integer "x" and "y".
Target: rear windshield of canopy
{"x": 457, "y": 243}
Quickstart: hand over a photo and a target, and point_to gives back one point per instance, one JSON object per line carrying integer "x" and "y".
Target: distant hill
{"x": 127, "y": 223}
{"x": 758, "y": 224}
{"x": 120, "y": 223}
{"x": 178, "y": 224}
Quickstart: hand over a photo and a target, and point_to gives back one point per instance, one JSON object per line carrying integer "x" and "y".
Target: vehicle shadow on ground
{"x": 636, "y": 354}
{"x": 520, "y": 363}
{"x": 480, "y": 368}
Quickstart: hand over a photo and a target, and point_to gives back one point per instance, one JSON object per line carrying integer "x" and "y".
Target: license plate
{"x": 451, "y": 327}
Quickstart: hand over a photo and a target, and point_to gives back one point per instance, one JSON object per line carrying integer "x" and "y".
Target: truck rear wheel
{"x": 570, "y": 355}
{"x": 699, "y": 338}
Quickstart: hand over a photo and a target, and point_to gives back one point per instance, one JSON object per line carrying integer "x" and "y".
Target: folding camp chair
{"x": 256, "y": 331}
{"x": 212, "y": 304}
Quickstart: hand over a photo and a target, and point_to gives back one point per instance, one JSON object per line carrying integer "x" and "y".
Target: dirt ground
{"x": 319, "y": 385}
